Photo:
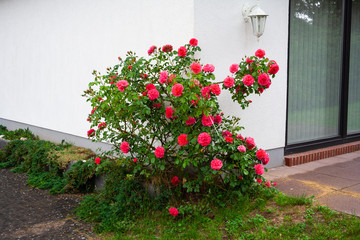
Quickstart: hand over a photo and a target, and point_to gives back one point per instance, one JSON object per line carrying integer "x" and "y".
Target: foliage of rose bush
{"x": 163, "y": 111}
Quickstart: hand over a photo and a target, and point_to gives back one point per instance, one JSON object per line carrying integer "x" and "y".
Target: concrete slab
{"x": 341, "y": 202}
{"x": 336, "y": 183}
{"x": 347, "y": 173}
{"x": 297, "y": 188}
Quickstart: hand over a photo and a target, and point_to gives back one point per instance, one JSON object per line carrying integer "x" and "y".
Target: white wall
{"x": 48, "y": 50}
{"x": 225, "y": 38}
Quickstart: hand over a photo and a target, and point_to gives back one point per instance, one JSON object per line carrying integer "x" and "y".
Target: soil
{"x": 30, "y": 213}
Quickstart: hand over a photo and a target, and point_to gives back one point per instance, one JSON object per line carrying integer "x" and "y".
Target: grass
{"x": 269, "y": 216}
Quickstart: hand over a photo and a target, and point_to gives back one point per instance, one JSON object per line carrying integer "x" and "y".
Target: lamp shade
{"x": 258, "y": 20}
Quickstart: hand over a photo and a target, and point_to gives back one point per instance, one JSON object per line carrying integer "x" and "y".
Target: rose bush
{"x": 163, "y": 111}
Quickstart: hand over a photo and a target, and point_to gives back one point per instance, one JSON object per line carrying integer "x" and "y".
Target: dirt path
{"x": 27, "y": 213}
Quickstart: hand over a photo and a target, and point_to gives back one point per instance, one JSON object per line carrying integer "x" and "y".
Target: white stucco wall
{"x": 48, "y": 50}
{"x": 225, "y": 38}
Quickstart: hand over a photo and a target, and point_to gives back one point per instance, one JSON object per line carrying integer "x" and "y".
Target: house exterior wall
{"x": 49, "y": 49}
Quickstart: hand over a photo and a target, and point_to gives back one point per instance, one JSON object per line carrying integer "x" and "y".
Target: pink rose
{"x": 205, "y": 92}
{"x": 234, "y": 68}
{"x": 159, "y": 152}
{"x": 91, "y": 133}
{"x": 153, "y": 94}
{"x": 191, "y": 121}
{"x": 150, "y": 87}
{"x": 248, "y": 80}
{"x": 182, "y": 140}
{"x": 241, "y": 148}
{"x": 249, "y": 61}
{"x": 229, "y": 82}
{"x": 196, "y": 67}
{"x": 97, "y": 160}
{"x": 163, "y": 77}
{"x": 260, "y": 90}
{"x": 260, "y": 53}
{"x": 259, "y": 169}
{"x": 173, "y": 211}
{"x": 268, "y": 184}
{"x": 177, "y": 90}
{"x": 135, "y": 160}
{"x": 169, "y": 112}
{"x": 124, "y": 146}
{"x": 209, "y": 68}
{"x": 226, "y": 133}
{"x": 229, "y": 139}
{"x": 215, "y": 89}
{"x": 250, "y": 143}
{"x": 263, "y": 79}
{"x": 240, "y": 137}
{"x": 175, "y": 181}
{"x": 122, "y": 84}
{"x": 217, "y": 119}
{"x": 260, "y": 154}
{"x": 207, "y": 121}
{"x": 151, "y": 50}
{"x": 274, "y": 68}
{"x": 204, "y": 139}
{"x": 216, "y": 164}
{"x": 193, "y": 42}
{"x": 102, "y": 125}
{"x": 182, "y": 51}
{"x": 259, "y": 180}
{"x": 167, "y": 48}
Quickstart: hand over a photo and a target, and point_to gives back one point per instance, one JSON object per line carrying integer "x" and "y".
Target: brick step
{"x": 314, "y": 155}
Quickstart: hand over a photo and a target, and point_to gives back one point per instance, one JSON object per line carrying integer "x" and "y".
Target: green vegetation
{"x": 17, "y": 134}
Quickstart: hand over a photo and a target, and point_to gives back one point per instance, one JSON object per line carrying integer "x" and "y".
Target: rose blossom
{"x": 248, "y": 80}
{"x": 177, "y": 90}
{"x": 226, "y": 133}
{"x": 268, "y": 184}
{"x": 229, "y": 139}
{"x": 263, "y": 156}
{"x": 259, "y": 180}
{"x": 195, "y": 82}
{"x": 182, "y": 140}
{"x": 163, "y": 76}
{"x": 167, "y": 48}
{"x": 241, "y": 148}
{"x": 157, "y": 105}
{"x": 135, "y": 160}
{"x": 194, "y": 102}
{"x": 151, "y": 50}
{"x": 173, "y": 211}
{"x": 259, "y": 169}
{"x": 122, "y": 84}
{"x": 215, "y": 89}
{"x": 124, "y": 146}
{"x": 260, "y": 53}
{"x": 159, "y": 152}
{"x": 182, "y": 51}
{"x": 260, "y": 90}
{"x": 204, "y": 139}
{"x": 240, "y": 137}
{"x": 274, "y": 183}
{"x": 191, "y": 121}
{"x": 250, "y": 143}
{"x": 175, "y": 181}
{"x": 91, "y": 133}
{"x": 102, "y": 125}
{"x": 229, "y": 82}
{"x": 193, "y": 42}
{"x": 216, "y": 164}
{"x": 263, "y": 79}
{"x": 153, "y": 94}
{"x": 205, "y": 92}
{"x": 209, "y": 68}
{"x": 217, "y": 119}
{"x": 169, "y": 112}
{"x": 150, "y": 87}
{"x": 274, "y": 68}
{"x": 234, "y": 68}
{"x": 196, "y": 67}
{"x": 248, "y": 60}
{"x": 97, "y": 160}
{"x": 207, "y": 121}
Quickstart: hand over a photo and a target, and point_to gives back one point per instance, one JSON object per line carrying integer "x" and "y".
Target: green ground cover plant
{"x": 17, "y": 134}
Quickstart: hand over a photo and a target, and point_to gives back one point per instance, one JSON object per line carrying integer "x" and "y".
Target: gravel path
{"x": 27, "y": 213}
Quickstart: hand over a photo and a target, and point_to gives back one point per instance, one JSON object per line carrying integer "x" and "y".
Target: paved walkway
{"x": 27, "y": 213}
{"x": 333, "y": 181}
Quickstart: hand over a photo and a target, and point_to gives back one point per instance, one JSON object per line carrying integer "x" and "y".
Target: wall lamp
{"x": 257, "y": 17}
